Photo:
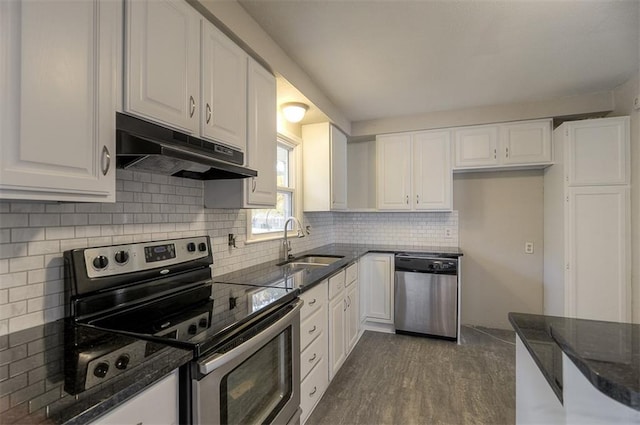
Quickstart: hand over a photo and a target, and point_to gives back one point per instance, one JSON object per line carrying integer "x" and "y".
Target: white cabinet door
{"x": 394, "y": 171}
{"x": 224, "y": 89}
{"x": 58, "y": 96}
{"x": 162, "y": 62}
{"x": 598, "y": 243}
{"x": 261, "y": 149}
{"x": 337, "y": 320}
{"x": 476, "y": 146}
{"x": 377, "y": 278}
{"x": 526, "y": 142}
{"x": 352, "y": 326}
{"x": 157, "y": 404}
{"x": 338, "y": 169}
{"x": 597, "y": 152}
{"x": 432, "y": 174}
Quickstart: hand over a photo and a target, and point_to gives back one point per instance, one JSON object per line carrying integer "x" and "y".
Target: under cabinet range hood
{"x": 145, "y": 146}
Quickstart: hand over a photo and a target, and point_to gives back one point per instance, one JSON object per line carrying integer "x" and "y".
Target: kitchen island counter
{"x": 606, "y": 354}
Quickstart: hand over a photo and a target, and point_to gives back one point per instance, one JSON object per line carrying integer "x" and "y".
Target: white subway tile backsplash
{"x": 148, "y": 207}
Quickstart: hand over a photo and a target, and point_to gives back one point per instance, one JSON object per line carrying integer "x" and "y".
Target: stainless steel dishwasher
{"x": 426, "y": 295}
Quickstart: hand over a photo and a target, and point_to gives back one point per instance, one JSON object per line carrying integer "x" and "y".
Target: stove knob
{"x": 101, "y": 370}
{"x": 203, "y": 323}
{"x": 193, "y": 329}
{"x": 191, "y": 247}
{"x": 122, "y": 257}
{"x": 202, "y": 246}
{"x": 100, "y": 262}
{"x": 122, "y": 362}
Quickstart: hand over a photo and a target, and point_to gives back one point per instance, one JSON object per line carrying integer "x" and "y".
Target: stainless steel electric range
{"x": 245, "y": 339}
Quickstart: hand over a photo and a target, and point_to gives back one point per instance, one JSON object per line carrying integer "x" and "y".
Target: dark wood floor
{"x": 398, "y": 379}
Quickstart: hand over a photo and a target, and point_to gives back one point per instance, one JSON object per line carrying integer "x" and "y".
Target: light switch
{"x": 528, "y": 247}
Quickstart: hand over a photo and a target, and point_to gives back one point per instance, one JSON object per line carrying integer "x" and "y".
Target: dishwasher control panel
{"x": 424, "y": 264}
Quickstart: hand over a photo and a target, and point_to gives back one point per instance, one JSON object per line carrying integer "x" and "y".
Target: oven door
{"x": 258, "y": 381}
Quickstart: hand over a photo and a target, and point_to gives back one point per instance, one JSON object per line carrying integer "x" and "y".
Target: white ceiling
{"x": 385, "y": 58}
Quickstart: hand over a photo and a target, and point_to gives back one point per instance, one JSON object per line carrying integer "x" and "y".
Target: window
{"x": 269, "y": 223}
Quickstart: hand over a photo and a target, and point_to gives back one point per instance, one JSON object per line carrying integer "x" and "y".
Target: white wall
{"x": 498, "y": 213}
{"x": 625, "y": 96}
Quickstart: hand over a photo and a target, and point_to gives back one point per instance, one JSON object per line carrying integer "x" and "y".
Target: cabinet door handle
{"x": 348, "y": 301}
{"x": 313, "y": 330}
{"x": 208, "y": 113}
{"x": 254, "y": 184}
{"x": 417, "y": 199}
{"x": 313, "y": 358}
{"x": 507, "y": 151}
{"x": 315, "y": 389}
{"x": 312, "y": 302}
{"x": 344, "y": 302}
{"x": 495, "y": 154}
{"x": 192, "y": 102}
{"x": 105, "y": 161}
{"x": 407, "y": 199}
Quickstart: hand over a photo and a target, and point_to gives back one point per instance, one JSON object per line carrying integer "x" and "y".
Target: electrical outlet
{"x": 447, "y": 232}
{"x": 528, "y": 247}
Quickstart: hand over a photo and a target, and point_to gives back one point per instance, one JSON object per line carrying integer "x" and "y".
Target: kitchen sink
{"x": 311, "y": 261}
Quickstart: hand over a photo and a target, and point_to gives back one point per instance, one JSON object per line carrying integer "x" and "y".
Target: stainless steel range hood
{"x": 145, "y": 146}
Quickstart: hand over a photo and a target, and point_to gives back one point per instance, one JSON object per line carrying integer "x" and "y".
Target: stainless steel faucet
{"x": 286, "y": 242}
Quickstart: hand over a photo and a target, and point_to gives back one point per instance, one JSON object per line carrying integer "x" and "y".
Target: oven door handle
{"x": 214, "y": 361}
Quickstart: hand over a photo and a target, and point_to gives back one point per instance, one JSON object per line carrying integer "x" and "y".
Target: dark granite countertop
{"x": 34, "y": 364}
{"x": 271, "y": 273}
{"x": 607, "y": 353}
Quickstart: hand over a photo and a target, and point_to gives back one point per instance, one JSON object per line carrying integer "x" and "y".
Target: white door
{"x": 353, "y": 316}
{"x": 58, "y": 98}
{"x": 432, "y": 174}
{"x": 162, "y": 62}
{"x": 394, "y": 171}
{"x": 338, "y": 169}
{"x": 224, "y": 89}
{"x": 262, "y": 134}
{"x": 526, "y": 143}
{"x": 476, "y": 146}
{"x": 337, "y": 348}
{"x": 378, "y": 279}
{"x": 598, "y": 247}
{"x": 598, "y": 152}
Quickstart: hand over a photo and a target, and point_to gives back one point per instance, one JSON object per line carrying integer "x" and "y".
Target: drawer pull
{"x": 313, "y": 330}
{"x": 315, "y": 389}
{"x": 313, "y": 358}
{"x": 312, "y": 302}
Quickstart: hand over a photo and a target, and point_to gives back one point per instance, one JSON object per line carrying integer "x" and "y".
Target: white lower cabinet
{"x": 337, "y": 323}
{"x": 377, "y": 287}
{"x": 352, "y": 325}
{"x": 313, "y": 348}
{"x": 158, "y": 404}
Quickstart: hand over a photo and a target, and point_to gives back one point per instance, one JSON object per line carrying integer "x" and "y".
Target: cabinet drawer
{"x": 352, "y": 274}
{"x": 312, "y": 327}
{"x": 312, "y": 388}
{"x": 313, "y": 299}
{"x": 336, "y": 284}
{"x": 312, "y": 355}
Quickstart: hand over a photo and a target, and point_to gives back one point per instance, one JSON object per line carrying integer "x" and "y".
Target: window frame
{"x": 295, "y": 188}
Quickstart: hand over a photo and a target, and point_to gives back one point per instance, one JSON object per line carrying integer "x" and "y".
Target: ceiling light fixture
{"x": 294, "y": 111}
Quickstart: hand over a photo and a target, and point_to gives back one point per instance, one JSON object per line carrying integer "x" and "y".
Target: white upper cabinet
{"x": 414, "y": 171}
{"x": 324, "y": 151}
{"x": 598, "y": 152}
{"x": 432, "y": 175}
{"x": 476, "y": 146}
{"x": 224, "y": 89}
{"x": 525, "y": 144}
{"x": 58, "y": 97}
{"x": 260, "y": 191}
{"x": 162, "y": 63}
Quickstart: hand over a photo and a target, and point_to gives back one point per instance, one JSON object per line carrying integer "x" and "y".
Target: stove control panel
{"x": 186, "y": 329}
{"x": 119, "y": 259}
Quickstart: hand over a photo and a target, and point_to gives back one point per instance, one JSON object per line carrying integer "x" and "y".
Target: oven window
{"x": 256, "y": 390}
